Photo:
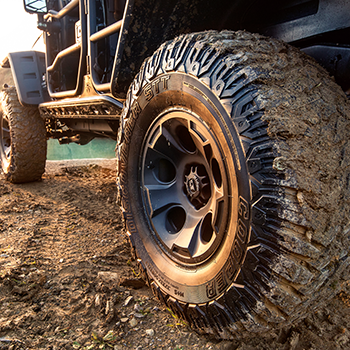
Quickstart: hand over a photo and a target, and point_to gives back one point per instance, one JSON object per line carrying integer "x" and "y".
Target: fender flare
{"x": 28, "y": 68}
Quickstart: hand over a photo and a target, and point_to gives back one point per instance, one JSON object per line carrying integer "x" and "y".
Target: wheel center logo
{"x": 192, "y": 185}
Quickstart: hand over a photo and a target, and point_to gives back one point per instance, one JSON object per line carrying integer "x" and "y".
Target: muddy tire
{"x": 23, "y": 141}
{"x": 233, "y": 165}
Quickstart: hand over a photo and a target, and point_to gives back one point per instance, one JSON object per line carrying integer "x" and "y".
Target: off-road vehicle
{"x": 233, "y": 148}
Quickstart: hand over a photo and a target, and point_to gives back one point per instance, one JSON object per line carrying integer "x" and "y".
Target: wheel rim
{"x": 184, "y": 186}
{"x": 5, "y": 141}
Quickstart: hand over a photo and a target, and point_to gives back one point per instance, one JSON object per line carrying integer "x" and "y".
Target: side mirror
{"x": 35, "y": 6}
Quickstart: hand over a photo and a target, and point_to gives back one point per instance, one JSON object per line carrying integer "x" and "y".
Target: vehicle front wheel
{"x": 225, "y": 188}
{"x": 23, "y": 141}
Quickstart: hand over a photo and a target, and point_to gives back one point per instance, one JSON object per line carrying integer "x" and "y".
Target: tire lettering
{"x": 221, "y": 282}
{"x": 164, "y": 284}
{"x": 161, "y": 281}
{"x": 165, "y": 82}
{"x": 180, "y": 294}
{"x": 242, "y": 231}
{"x": 237, "y": 252}
{"x": 135, "y": 109}
{"x": 131, "y": 226}
{"x": 155, "y": 87}
{"x": 230, "y": 269}
{"x": 148, "y": 92}
{"x": 243, "y": 209}
{"x": 211, "y": 289}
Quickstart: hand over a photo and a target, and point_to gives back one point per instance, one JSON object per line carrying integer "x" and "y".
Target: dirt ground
{"x": 68, "y": 280}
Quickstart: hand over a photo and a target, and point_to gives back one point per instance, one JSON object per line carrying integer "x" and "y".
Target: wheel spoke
{"x": 158, "y": 168}
{"x": 168, "y": 223}
{"x": 194, "y": 237}
{"x": 161, "y": 197}
{"x": 167, "y": 149}
{"x": 170, "y": 139}
{"x": 218, "y": 194}
{"x": 166, "y": 143}
{"x": 159, "y": 223}
{"x": 187, "y": 242}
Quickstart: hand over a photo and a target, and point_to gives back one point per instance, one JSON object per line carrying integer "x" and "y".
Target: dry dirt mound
{"x": 68, "y": 281}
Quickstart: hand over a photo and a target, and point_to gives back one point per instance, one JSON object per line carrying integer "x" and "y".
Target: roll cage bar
{"x": 88, "y": 35}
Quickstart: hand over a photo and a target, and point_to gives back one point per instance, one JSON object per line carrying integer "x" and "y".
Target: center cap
{"x": 192, "y": 185}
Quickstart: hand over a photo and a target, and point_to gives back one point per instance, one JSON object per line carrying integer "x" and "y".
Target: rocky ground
{"x": 68, "y": 280}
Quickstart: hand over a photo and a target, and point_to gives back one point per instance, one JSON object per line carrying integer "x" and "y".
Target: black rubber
{"x": 211, "y": 180}
{"x": 23, "y": 141}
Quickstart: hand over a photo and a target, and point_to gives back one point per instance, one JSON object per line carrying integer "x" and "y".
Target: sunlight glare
{"x": 18, "y": 31}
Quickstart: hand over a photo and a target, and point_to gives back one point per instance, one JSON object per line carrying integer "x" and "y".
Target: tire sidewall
{"x": 212, "y": 278}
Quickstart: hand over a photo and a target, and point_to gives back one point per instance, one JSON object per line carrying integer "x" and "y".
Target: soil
{"x": 69, "y": 281}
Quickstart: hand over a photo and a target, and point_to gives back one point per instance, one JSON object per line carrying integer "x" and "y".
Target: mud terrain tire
{"x": 233, "y": 165}
{"x": 23, "y": 141}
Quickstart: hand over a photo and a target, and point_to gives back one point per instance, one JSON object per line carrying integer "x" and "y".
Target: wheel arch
{"x": 303, "y": 23}
{"x": 154, "y": 22}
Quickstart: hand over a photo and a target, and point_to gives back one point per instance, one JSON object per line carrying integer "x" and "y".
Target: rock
{"x": 294, "y": 340}
{"x": 150, "y": 332}
{"x": 133, "y": 322}
{"x": 97, "y": 300}
{"x": 108, "y": 277}
{"x": 5, "y": 340}
{"x": 109, "y": 336}
{"x": 227, "y": 345}
{"x": 135, "y": 283}
{"x": 128, "y": 300}
{"x": 109, "y": 307}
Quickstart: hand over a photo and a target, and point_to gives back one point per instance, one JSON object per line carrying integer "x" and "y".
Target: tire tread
{"x": 290, "y": 268}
